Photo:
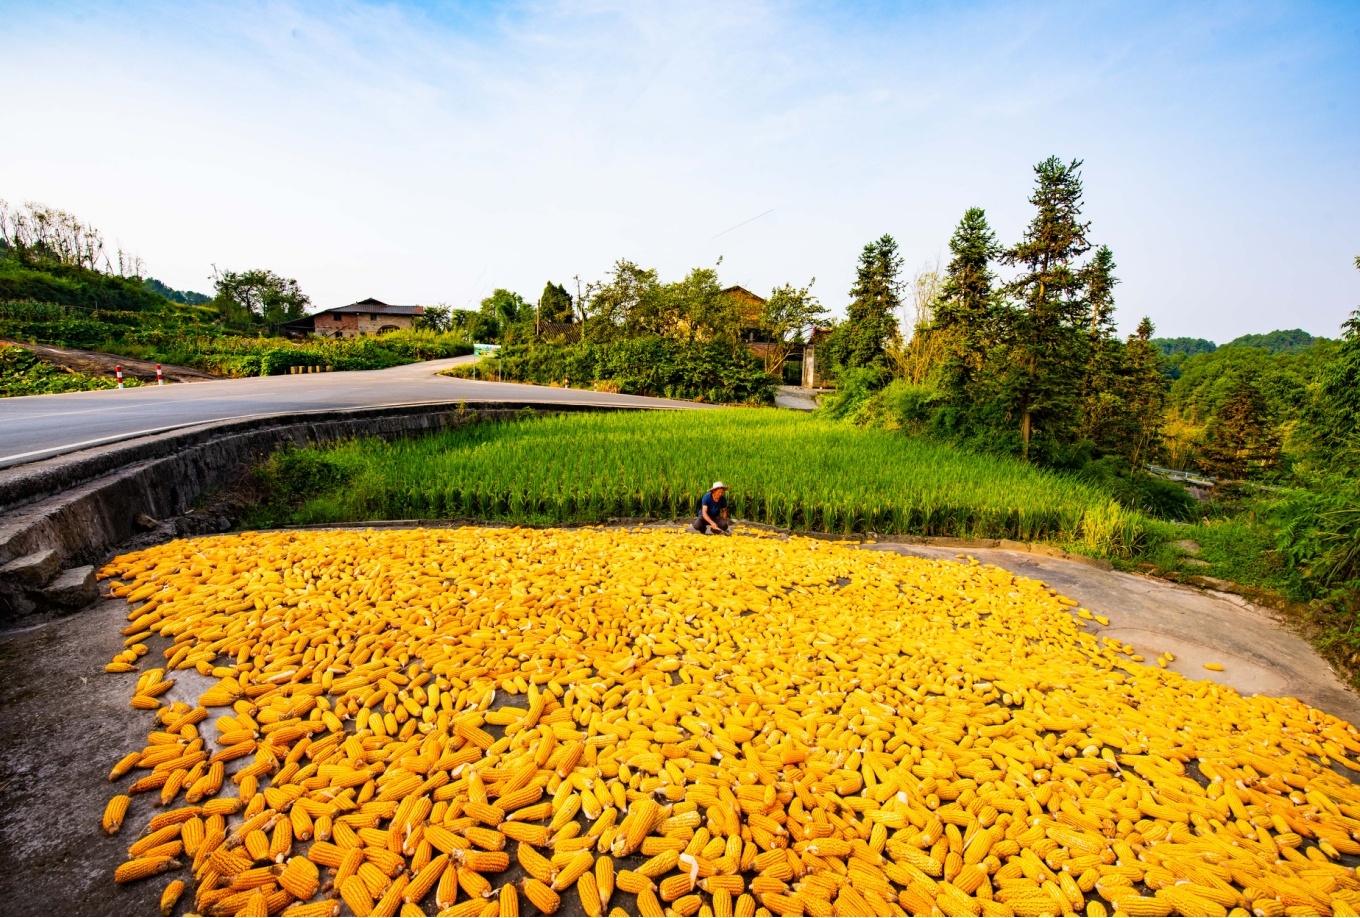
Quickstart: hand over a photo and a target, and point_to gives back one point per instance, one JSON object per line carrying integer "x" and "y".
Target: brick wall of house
{"x": 353, "y": 324}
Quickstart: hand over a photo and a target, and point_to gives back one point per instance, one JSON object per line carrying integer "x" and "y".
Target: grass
{"x": 1238, "y": 549}
{"x": 784, "y": 470}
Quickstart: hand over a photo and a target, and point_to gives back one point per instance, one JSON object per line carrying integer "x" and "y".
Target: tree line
{"x": 1031, "y": 364}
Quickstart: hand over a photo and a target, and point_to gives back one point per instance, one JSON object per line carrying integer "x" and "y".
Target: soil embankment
{"x": 93, "y": 363}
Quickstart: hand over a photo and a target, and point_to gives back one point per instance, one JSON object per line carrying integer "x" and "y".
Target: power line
{"x": 741, "y": 225}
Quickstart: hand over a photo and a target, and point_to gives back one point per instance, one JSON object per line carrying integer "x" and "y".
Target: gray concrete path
{"x": 1259, "y": 654}
{"x": 41, "y": 426}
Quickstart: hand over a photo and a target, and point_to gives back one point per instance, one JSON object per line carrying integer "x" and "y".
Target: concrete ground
{"x": 797, "y": 398}
{"x": 66, "y": 721}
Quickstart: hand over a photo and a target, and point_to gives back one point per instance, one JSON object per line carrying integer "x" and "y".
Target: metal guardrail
{"x": 1194, "y": 478}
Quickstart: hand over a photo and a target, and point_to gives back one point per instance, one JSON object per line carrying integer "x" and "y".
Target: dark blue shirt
{"x": 714, "y": 506}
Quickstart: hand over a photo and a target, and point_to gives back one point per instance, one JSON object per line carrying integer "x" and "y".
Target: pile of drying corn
{"x": 487, "y": 722}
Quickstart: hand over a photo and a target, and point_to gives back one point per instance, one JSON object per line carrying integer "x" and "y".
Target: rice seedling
{"x": 785, "y": 470}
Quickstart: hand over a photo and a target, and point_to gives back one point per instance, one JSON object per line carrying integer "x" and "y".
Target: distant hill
{"x": 1183, "y": 347}
{"x": 187, "y": 297}
{"x": 1291, "y": 341}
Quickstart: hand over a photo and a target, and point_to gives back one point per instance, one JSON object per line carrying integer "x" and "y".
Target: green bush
{"x": 637, "y": 366}
{"x": 1154, "y": 496}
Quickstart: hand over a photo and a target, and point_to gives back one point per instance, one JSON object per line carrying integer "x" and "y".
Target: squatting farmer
{"x": 713, "y": 511}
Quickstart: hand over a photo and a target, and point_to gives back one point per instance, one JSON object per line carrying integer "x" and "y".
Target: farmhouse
{"x": 366, "y": 317}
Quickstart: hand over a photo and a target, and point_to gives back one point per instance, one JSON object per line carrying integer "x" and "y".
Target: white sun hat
{"x": 717, "y": 485}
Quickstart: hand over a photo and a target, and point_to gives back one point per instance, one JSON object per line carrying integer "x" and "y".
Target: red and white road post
{"x": 119, "y": 372}
{"x": 160, "y": 380}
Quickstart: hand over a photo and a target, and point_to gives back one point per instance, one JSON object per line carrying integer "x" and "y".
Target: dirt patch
{"x": 93, "y": 363}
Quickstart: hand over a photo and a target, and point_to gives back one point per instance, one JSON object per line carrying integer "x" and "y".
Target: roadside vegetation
{"x": 59, "y": 286}
{"x": 21, "y": 373}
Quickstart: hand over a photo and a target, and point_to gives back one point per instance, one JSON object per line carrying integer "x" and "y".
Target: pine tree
{"x": 871, "y": 319}
{"x": 1047, "y": 358}
{"x": 1104, "y": 417}
{"x": 1099, "y": 278}
{"x": 1146, "y": 393}
{"x": 967, "y": 313}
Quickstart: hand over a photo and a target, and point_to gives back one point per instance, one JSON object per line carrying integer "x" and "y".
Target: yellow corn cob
{"x": 300, "y": 877}
{"x": 125, "y": 764}
{"x": 542, "y": 896}
{"x": 114, "y": 813}
{"x": 508, "y": 902}
{"x": 526, "y": 833}
{"x": 141, "y": 868}
{"x": 485, "y": 838}
{"x": 648, "y": 905}
{"x": 474, "y": 884}
{"x": 604, "y": 879}
{"x": 569, "y": 874}
{"x": 170, "y": 896}
{"x": 326, "y": 908}
{"x": 356, "y": 895}
{"x": 484, "y": 861}
{"x": 630, "y": 881}
{"x": 519, "y": 799}
{"x": 446, "y": 892}
{"x": 535, "y": 864}
{"x": 589, "y": 893}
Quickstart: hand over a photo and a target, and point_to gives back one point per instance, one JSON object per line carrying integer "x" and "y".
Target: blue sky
{"x": 427, "y": 153}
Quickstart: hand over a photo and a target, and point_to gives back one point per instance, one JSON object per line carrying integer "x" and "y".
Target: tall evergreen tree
{"x": 871, "y": 319}
{"x": 1146, "y": 388}
{"x": 1099, "y": 278}
{"x": 1103, "y": 413}
{"x": 967, "y": 311}
{"x": 1047, "y": 359}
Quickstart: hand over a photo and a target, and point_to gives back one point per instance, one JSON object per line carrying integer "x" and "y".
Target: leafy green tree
{"x": 697, "y": 309}
{"x": 1185, "y": 347}
{"x": 1333, "y": 413}
{"x": 508, "y": 314}
{"x": 436, "y": 318}
{"x": 787, "y": 317}
{"x": 260, "y": 293}
{"x": 1046, "y": 357}
{"x": 508, "y": 308}
{"x": 555, "y": 304}
{"x": 871, "y": 318}
{"x": 629, "y": 303}
{"x": 1242, "y": 436}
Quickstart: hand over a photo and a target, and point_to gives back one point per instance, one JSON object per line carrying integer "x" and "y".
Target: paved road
{"x": 41, "y": 426}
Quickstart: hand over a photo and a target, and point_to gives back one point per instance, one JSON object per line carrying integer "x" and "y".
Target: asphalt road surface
{"x": 41, "y": 426}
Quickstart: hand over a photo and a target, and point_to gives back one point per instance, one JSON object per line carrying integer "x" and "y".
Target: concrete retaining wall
{"x": 83, "y": 504}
